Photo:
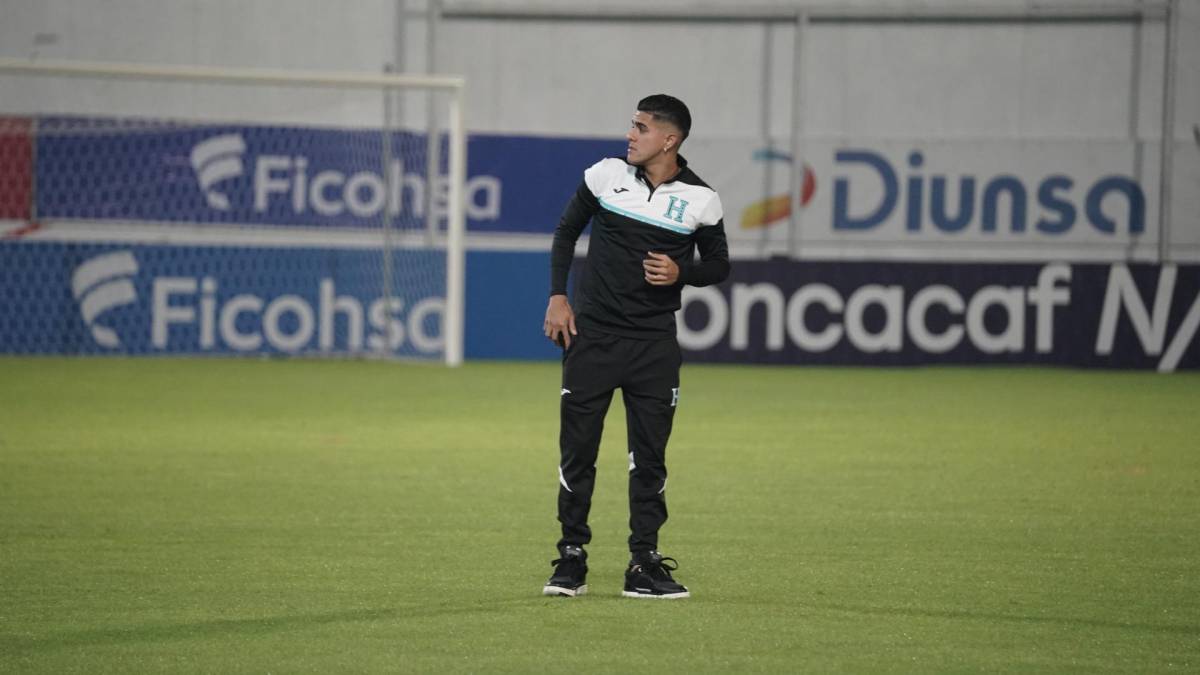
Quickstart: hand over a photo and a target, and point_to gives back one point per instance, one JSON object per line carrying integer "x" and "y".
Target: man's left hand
{"x": 660, "y": 270}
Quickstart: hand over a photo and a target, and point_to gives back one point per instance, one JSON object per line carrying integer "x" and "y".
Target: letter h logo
{"x": 675, "y": 209}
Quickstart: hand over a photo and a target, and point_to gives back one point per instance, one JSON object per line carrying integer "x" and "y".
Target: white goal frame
{"x": 455, "y": 240}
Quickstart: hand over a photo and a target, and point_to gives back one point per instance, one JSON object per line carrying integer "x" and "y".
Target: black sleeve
{"x": 575, "y": 217}
{"x": 714, "y": 258}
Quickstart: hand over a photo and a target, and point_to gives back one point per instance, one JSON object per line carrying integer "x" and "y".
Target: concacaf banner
{"x": 894, "y": 313}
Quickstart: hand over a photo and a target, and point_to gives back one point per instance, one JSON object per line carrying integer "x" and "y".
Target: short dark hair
{"x": 670, "y": 109}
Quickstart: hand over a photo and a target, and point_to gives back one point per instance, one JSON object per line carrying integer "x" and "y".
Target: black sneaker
{"x": 570, "y": 573}
{"x": 649, "y": 576}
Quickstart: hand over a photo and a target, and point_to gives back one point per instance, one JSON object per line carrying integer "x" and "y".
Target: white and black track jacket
{"x": 630, "y": 219}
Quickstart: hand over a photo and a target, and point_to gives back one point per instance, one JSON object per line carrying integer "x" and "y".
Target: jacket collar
{"x": 640, "y": 174}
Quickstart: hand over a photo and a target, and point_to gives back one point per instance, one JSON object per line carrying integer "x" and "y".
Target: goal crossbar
{"x": 308, "y": 78}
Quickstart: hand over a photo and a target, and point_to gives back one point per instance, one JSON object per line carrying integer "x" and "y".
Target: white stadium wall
{"x": 896, "y": 81}
{"x": 1087, "y": 92}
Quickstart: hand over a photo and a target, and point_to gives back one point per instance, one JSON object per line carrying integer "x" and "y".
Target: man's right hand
{"x": 560, "y": 321}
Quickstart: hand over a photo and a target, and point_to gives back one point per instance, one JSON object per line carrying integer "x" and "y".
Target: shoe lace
{"x": 661, "y": 568}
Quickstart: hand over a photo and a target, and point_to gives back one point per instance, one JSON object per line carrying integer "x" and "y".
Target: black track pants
{"x": 647, "y": 372}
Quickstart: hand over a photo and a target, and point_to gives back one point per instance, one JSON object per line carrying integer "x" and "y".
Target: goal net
{"x": 148, "y": 210}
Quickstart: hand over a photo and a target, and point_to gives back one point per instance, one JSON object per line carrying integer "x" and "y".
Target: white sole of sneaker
{"x": 564, "y": 592}
{"x": 651, "y": 596}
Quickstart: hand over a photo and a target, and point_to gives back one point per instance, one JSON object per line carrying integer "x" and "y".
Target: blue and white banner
{"x": 69, "y": 298}
{"x": 113, "y": 299}
{"x": 136, "y": 299}
{"x": 969, "y": 199}
{"x": 123, "y": 170}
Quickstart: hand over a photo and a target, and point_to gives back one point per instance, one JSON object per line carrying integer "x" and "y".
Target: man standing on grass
{"x": 650, "y": 213}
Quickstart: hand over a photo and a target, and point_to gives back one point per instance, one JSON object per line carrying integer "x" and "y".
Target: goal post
{"x": 316, "y": 179}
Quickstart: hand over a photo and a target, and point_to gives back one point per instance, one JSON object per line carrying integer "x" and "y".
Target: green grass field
{"x": 312, "y": 516}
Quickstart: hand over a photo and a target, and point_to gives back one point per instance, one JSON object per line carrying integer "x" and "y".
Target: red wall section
{"x": 16, "y": 167}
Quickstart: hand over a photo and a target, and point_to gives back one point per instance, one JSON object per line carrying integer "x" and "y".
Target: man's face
{"x": 648, "y": 137}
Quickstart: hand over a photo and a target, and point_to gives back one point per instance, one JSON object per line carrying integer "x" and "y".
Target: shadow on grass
{"x": 1179, "y": 629}
{"x": 216, "y": 628}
